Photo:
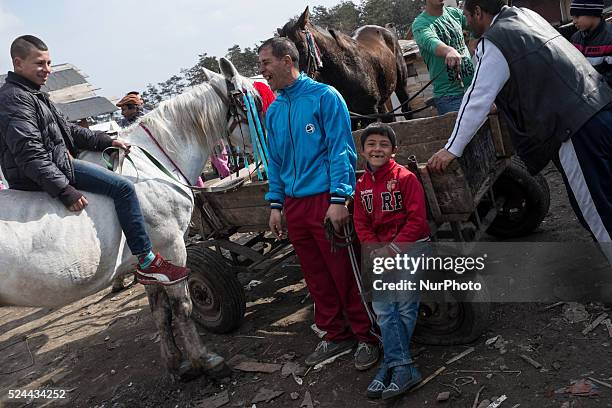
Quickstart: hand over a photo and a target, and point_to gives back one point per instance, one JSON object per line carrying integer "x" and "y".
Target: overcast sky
{"x": 125, "y": 44}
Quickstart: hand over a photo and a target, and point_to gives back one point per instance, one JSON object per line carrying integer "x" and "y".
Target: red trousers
{"x": 329, "y": 276}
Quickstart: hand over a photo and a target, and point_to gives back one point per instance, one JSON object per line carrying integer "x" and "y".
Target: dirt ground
{"x": 103, "y": 351}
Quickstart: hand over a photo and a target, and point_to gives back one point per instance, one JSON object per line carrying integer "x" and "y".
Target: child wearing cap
{"x": 390, "y": 208}
{"x": 594, "y": 35}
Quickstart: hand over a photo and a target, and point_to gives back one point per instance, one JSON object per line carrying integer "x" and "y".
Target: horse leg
{"x": 162, "y": 316}
{"x": 118, "y": 283}
{"x": 197, "y": 353}
{"x": 401, "y": 85}
{"x": 383, "y": 111}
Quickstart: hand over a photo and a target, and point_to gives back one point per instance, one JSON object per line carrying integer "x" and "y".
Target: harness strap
{"x": 148, "y": 132}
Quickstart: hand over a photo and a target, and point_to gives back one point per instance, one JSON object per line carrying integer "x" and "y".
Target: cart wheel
{"x": 460, "y": 320}
{"x": 526, "y": 205}
{"x": 217, "y": 295}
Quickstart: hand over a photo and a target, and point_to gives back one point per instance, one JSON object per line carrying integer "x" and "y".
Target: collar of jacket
{"x": 23, "y": 82}
{"x": 587, "y": 35}
{"x": 381, "y": 172}
{"x": 296, "y": 87}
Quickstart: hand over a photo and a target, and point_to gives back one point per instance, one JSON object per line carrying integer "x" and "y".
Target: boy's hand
{"x": 276, "y": 223}
{"x": 79, "y": 205}
{"x": 382, "y": 252}
{"x": 339, "y": 215}
{"x": 122, "y": 145}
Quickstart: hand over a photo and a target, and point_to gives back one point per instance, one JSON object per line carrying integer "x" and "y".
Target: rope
{"x": 336, "y": 239}
{"x": 391, "y": 113}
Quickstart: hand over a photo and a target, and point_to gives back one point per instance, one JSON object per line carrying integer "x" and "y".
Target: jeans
{"x": 98, "y": 180}
{"x": 396, "y": 321}
{"x": 445, "y": 104}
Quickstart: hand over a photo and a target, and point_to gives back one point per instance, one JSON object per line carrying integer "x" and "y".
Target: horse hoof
{"x": 187, "y": 372}
{"x": 117, "y": 288}
{"x": 220, "y": 371}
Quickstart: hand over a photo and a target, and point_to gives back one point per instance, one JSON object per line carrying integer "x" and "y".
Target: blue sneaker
{"x": 380, "y": 382}
{"x": 402, "y": 379}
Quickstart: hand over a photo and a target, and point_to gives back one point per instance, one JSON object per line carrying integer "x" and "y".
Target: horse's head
{"x": 231, "y": 87}
{"x": 189, "y": 125}
{"x": 298, "y": 31}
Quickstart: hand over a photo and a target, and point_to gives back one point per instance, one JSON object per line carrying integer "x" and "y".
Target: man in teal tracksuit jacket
{"x": 311, "y": 174}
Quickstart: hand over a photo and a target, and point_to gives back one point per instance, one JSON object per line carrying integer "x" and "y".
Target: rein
{"x": 406, "y": 102}
{"x": 336, "y": 239}
{"x": 148, "y": 132}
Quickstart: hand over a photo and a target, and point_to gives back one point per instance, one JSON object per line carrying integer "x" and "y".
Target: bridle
{"x": 313, "y": 55}
{"x": 237, "y": 115}
{"x": 237, "y": 112}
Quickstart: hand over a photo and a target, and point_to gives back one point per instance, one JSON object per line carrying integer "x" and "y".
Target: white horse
{"x": 50, "y": 256}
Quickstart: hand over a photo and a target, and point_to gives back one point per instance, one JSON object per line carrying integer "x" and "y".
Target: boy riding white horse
{"x": 38, "y": 149}
{"x": 52, "y": 256}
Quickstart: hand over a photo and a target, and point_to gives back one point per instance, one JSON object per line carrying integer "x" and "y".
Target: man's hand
{"x": 440, "y": 161}
{"x": 122, "y": 145}
{"x": 80, "y": 204}
{"x": 453, "y": 59}
{"x": 276, "y": 223}
{"x": 339, "y": 216}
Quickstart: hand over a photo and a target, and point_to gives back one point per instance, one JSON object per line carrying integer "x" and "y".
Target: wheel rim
{"x": 204, "y": 300}
{"x": 515, "y": 207}
{"x": 434, "y": 319}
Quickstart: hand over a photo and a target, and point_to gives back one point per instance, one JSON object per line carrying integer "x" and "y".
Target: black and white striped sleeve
{"x": 492, "y": 72}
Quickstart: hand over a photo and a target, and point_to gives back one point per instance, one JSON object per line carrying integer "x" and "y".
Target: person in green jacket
{"x": 438, "y": 32}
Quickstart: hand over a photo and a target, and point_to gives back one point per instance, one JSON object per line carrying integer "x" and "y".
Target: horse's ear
{"x": 206, "y": 75}
{"x": 304, "y": 19}
{"x": 280, "y": 32}
{"x": 340, "y": 40}
{"x": 228, "y": 69}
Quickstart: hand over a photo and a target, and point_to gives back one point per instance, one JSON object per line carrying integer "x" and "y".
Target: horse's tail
{"x": 401, "y": 86}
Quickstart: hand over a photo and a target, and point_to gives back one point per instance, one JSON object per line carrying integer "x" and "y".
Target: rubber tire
{"x": 472, "y": 320}
{"x": 535, "y": 201}
{"x": 212, "y": 271}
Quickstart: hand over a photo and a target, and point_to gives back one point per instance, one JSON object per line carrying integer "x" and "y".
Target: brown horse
{"x": 366, "y": 68}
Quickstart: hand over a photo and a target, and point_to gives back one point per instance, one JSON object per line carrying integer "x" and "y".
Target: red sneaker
{"x": 162, "y": 272}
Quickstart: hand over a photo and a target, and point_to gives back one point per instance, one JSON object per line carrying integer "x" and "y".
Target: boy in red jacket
{"x": 390, "y": 208}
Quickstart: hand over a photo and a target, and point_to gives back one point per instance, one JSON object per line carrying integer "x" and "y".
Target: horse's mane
{"x": 199, "y": 112}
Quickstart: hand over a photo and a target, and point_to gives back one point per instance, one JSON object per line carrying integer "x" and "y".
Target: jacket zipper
{"x": 293, "y": 146}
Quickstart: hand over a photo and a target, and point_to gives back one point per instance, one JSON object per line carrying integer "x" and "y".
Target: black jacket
{"x": 596, "y": 46}
{"x": 36, "y": 141}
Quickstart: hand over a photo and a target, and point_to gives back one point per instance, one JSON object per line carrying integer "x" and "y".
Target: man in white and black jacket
{"x": 556, "y": 104}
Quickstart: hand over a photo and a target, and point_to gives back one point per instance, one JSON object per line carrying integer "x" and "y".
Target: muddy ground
{"x": 103, "y": 351}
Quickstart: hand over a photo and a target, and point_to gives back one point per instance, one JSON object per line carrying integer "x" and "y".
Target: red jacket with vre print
{"x": 390, "y": 206}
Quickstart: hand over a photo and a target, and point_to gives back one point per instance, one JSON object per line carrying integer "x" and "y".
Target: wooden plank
{"x": 418, "y": 137}
{"x": 242, "y": 173}
{"x": 430, "y": 193}
{"x": 247, "y": 216}
{"x": 496, "y": 134}
{"x": 210, "y": 215}
{"x": 452, "y": 190}
{"x": 246, "y": 196}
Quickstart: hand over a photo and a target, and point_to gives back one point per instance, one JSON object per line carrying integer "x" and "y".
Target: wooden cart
{"x": 484, "y": 190}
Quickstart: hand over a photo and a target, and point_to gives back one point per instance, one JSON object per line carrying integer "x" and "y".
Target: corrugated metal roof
{"x": 63, "y": 79}
{"x": 85, "y": 108}
{"x": 59, "y": 79}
